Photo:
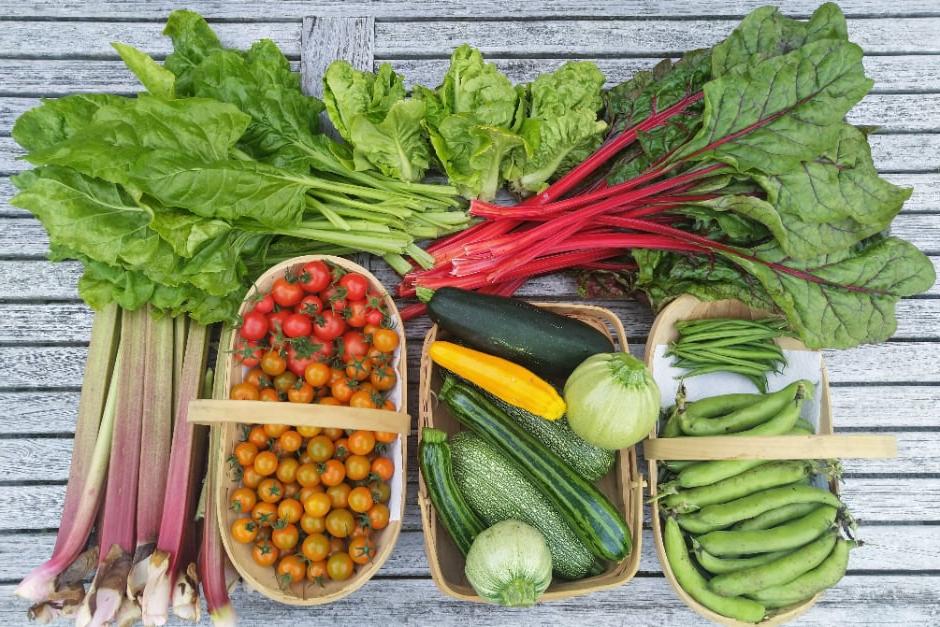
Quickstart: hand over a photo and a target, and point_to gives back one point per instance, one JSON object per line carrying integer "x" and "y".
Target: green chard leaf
{"x": 158, "y": 80}
{"x": 56, "y": 120}
{"x": 193, "y": 41}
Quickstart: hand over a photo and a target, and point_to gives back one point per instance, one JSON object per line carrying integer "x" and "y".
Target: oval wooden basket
{"x": 231, "y": 415}
{"x": 623, "y": 485}
{"x": 688, "y": 307}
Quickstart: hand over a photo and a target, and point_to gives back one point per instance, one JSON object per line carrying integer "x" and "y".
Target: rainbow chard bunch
{"x": 728, "y": 174}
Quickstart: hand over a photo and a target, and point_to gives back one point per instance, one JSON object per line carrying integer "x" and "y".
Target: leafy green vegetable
{"x": 158, "y": 80}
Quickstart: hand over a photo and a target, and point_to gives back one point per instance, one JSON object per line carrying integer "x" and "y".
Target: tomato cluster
{"x": 320, "y": 335}
{"x": 311, "y": 498}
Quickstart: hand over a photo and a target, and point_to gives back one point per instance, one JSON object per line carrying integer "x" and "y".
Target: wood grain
{"x": 332, "y": 38}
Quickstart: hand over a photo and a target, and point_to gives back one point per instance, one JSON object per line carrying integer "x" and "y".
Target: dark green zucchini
{"x": 452, "y": 510}
{"x": 549, "y": 344}
{"x": 585, "y": 508}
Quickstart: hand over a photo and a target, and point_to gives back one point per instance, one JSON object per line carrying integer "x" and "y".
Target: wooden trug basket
{"x": 231, "y": 415}
{"x": 822, "y": 446}
{"x": 623, "y": 485}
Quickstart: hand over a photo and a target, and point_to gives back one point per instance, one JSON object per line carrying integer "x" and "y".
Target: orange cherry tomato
{"x": 357, "y": 467}
{"x": 300, "y": 393}
{"x": 316, "y": 572}
{"x": 342, "y": 449}
{"x": 309, "y": 432}
{"x": 343, "y": 389}
{"x": 265, "y": 514}
{"x": 291, "y": 490}
{"x": 264, "y": 553}
{"x": 287, "y": 470}
{"x": 377, "y": 357}
{"x": 265, "y": 463}
{"x": 291, "y": 569}
{"x": 362, "y": 399}
{"x": 383, "y": 468}
{"x": 383, "y": 378}
{"x": 381, "y": 491}
{"x": 269, "y": 395}
{"x": 271, "y": 490}
{"x": 304, "y": 457}
{"x": 320, "y": 448}
{"x": 333, "y": 472}
{"x": 334, "y": 433}
{"x": 385, "y": 437}
{"x": 316, "y": 547}
{"x": 337, "y": 545}
{"x": 285, "y": 381}
{"x": 244, "y": 530}
{"x": 312, "y": 524}
{"x": 361, "y": 549}
{"x": 258, "y": 437}
{"x": 250, "y": 477}
{"x": 329, "y": 400}
{"x": 359, "y": 369}
{"x": 243, "y": 499}
{"x": 290, "y": 510}
{"x": 285, "y": 537}
{"x": 290, "y": 441}
{"x": 336, "y": 374}
{"x": 275, "y": 430}
{"x": 245, "y": 453}
{"x": 389, "y": 405}
{"x": 339, "y": 495}
{"x": 307, "y": 475}
{"x": 339, "y": 567}
{"x": 318, "y": 374}
{"x": 273, "y": 363}
{"x": 340, "y": 523}
{"x": 318, "y": 504}
{"x": 244, "y": 392}
{"x": 360, "y": 500}
{"x": 257, "y": 377}
{"x": 386, "y": 340}
{"x": 361, "y": 442}
{"x": 378, "y": 516}
{"x": 362, "y": 527}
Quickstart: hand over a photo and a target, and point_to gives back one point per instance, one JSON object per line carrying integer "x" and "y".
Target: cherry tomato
{"x": 298, "y": 360}
{"x": 328, "y": 326}
{"x": 264, "y": 304}
{"x": 381, "y": 491}
{"x": 302, "y": 392}
{"x": 257, "y": 377}
{"x": 276, "y": 320}
{"x": 289, "y": 510}
{"x": 383, "y": 468}
{"x": 316, "y": 547}
{"x": 244, "y": 530}
{"x": 291, "y": 490}
{"x": 341, "y": 451}
{"x": 336, "y": 374}
{"x": 383, "y": 378}
{"x": 333, "y": 472}
{"x": 335, "y": 299}
{"x": 315, "y": 276}
{"x": 317, "y": 374}
{"x": 269, "y": 395}
{"x": 316, "y": 572}
{"x": 264, "y": 553}
{"x": 318, "y": 504}
{"x": 284, "y": 381}
{"x": 374, "y": 316}
{"x": 244, "y": 392}
{"x": 297, "y": 325}
{"x": 361, "y": 549}
{"x": 378, "y": 516}
{"x": 270, "y": 490}
{"x": 377, "y": 357}
{"x": 290, "y": 441}
{"x": 309, "y": 305}
{"x": 265, "y": 463}
{"x": 273, "y": 363}
{"x": 357, "y": 467}
{"x": 385, "y": 437}
{"x": 250, "y": 478}
{"x": 274, "y": 430}
{"x": 361, "y": 442}
{"x": 263, "y": 513}
{"x": 307, "y": 475}
{"x": 386, "y": 340}
{"x": 245, "y": 453}
{"x": 248, "y": 353}
{"x": 337, "y": 545}
{"x": 308, "y": 432}
{"x": 360, "y": 500}
{"x": 363, "y": 399}
{"x": 356, "y": 285}
{"x": 329, "y": 400}
{"x": 354, "y": 346}
{"x": 339, "y": 567}
{"x": 343, "y": 390}
{"x": 334, "y": 433}
{"x": 340, "y": 523}
{"x": 285, "y": 537}
{"x": 258, "y": 437}
{"x": 291, "y": 569}
{"x": 339, "y": 495}
{"x": 254, "y": 326}
{"x": 312, "y": 524}
{"x": 285, "y": 293}
{"x": 359, "y": 368}
{"x": 306, "y": 493}
{"x": 389, "y": 405}
{"x": 320, "y": 448}
{"x": 362, "y": 527}
{"x": 243, "y": 499}
{"x": 287, "y": 468}
{"x": 356, "y": 313}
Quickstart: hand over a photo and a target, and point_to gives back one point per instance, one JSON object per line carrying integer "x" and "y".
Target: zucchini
{"x": 549, "y": 344}
{"x": 585, "y": 508}
{"x": 497, "y": 490}
{"x": 452, "y": 510}
{"x": 589, "y": 461}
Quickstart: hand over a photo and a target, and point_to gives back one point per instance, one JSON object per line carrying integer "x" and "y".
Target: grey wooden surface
{"x": 52, "y": 48}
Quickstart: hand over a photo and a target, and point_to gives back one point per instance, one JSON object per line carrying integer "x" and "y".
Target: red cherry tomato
{"x": 328, "y": 326}
{"x": 248, "y": 353}
{"x": 356, "y": 285}
{"x": 310, "y": 305}
{"x": 356, "y": 313}
{"x": 297, "y": 325}
{"x": 285, "y": 293}
{"x": 335, "y": 298}
{"x": 276, "y": 320}
{"x": 354, "y": 345}
{"x": 325, "y": 351}
{"x": 265, "y": 305}
{"x": 315, "y": 276}
{"x": 298, "y": 362}
{"x": 254, "y": 326}
{"x": 374, "y": 317}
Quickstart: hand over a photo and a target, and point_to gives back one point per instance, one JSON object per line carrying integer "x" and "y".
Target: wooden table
{"x": 57, "y": 47}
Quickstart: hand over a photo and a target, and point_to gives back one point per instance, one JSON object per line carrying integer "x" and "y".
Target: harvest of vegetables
{"x": 730, "y": 175}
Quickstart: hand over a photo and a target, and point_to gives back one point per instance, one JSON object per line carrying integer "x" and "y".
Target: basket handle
{"x": 212, "y": 412}
{"x": 772, "y": 447}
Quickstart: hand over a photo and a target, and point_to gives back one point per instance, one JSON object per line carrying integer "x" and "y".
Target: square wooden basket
{"x": 824, "y": 445}
{"x": 623, "y": 485}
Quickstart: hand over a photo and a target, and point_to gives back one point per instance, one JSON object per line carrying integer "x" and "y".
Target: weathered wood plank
{"x": 330, "y": 38}
{"x": 32, "y": 323}
{"x": 93, "y": 39}
{"x": 38, "y": 412}
{"x": 422, "y": 9}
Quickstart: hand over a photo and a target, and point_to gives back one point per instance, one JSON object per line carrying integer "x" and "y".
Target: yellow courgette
{"x": 503, "y": 379}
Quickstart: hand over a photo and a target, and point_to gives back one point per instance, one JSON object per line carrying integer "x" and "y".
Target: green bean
{"x": 723, "y": 367}
{"x": 714, "y": 406}
{"x": 723, "y": 355}
{"x": 721, "y": 565}
{"x": 721, "y": 515}
{"x": 694, "y": 583}
{"x": 785, "y": 537}
{"x": 765, "y": 476}
{"x": 778, "y": 572}
{"x": 718, "y": 339}
{"x": 751, "y": 416}
{"x": 810, "y": 583}
{"x": 778, "y": 516}
{"x": 784, "y": 422}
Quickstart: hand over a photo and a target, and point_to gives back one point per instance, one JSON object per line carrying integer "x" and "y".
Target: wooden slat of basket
{"x": 211, "y": 412}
